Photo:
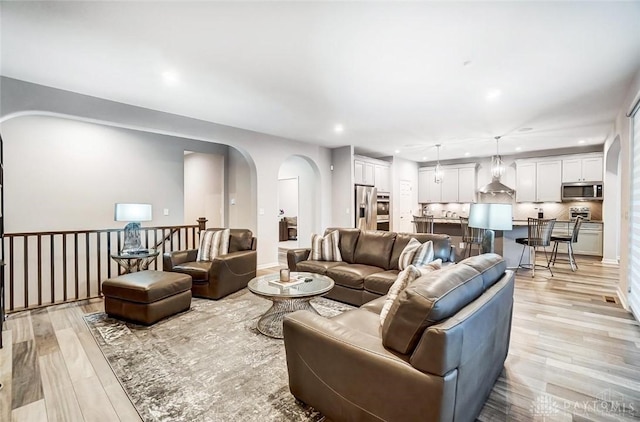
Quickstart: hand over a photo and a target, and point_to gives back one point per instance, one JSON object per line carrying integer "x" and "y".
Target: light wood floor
{"x": 569, "y": 348}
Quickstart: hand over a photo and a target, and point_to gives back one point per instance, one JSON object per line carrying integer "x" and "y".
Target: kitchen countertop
{"x": 456, "y": 220}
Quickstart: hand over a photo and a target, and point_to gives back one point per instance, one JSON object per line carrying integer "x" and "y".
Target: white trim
{"x": 269, "y": 265}
{"x": 610, "y": 261}
{"x": 622, "y": 297}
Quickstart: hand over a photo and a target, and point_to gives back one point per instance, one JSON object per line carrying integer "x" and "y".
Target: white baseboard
{"x": 269, "y": 265}
{"x": 622, "y": 297}
{"x": 610, "y": 261}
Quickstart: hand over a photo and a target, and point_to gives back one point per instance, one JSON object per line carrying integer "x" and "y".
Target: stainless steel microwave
{"x": 582, "y": 191}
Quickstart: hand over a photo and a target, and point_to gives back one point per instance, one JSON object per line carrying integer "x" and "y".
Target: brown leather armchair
{"x": 225, "y": 274}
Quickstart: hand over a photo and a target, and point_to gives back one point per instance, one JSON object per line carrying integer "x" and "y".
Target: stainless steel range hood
{"x": 495, "y": 186}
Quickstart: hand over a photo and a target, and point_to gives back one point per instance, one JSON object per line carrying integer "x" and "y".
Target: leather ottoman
{"x": 146, "y": 297}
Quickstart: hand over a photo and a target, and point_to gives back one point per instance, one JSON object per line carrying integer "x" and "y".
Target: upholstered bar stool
{"x": 423, "y": 223}
{"x": 539, "y": 236}
{"x": 569, "y": 240}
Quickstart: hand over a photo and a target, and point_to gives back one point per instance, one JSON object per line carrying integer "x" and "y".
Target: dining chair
{"x": 471, "y": 236}
{"x": 569, "y": 239}
{"x": 539, "y": 236}
{"x": 423, "y": 223}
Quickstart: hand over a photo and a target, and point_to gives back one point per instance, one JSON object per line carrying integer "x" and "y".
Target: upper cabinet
{"x": 587, "y": 168}
{"x": 538, "y": 180}
{"x": 372, "y": 172}
{"x": 458, "y": 184}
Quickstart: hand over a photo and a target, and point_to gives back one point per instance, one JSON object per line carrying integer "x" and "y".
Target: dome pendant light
{"x": 437, "y": 175}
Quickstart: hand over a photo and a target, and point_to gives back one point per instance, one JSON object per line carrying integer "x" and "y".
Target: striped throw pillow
{"x": 416, "y": 253}
{"x": 212, "y": 244}
{"x": 325, "y": 248}
{"x": 406, "y": 277}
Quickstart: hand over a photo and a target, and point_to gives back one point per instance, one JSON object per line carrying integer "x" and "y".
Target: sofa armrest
{"x": 337, "y": 369}
{"x": 171, "y": 259}
{"x": 234, "y": 264}
{"x": 296, "y": 255}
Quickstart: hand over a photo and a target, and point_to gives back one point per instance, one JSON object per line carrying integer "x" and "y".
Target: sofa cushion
{"x": 490, "y": 265}
{"x": 199, "y": 271}
{"x": 325, "y": 248}
{"x": 380, "y": 282}
{"x": 240, "y": 240}
{"x": 351, "y": 275}
{"x": 348, "y": 242}
{"x": 441, "y": 246}
{"x": 318, "y": 267}
{"x": 428, "y": 300}
{"x": 212, "y": 244}
{"x": 374, "y": 248}
{"x": 362, "y": 321}
{"x": 416, "y": 253}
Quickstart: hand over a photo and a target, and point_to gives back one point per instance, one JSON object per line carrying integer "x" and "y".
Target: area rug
{"x": 206, "y": 364}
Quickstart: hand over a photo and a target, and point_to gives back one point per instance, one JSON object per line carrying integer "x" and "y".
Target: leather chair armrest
{"x": 296, "y": 255}
{"x": 234, "y": 264}
{"x": 324, "y": 355}
{"x": 171, "y": 259}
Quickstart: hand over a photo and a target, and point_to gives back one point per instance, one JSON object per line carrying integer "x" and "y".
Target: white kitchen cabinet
{"x": 589, "y": 238}
{"x": 548, "y": 181}
{"x": 458, "y": 184}
{"x": 364, "y": 172}
{"x": 467, "y": 184}
{"x": 382, "y": 178}
{"x": 449, "y": 185}
{"x": 538, "y": 181}
{"x": 582, "y": 169}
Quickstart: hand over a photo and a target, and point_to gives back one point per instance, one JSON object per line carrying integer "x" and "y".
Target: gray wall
{"x": 264, "y": 152}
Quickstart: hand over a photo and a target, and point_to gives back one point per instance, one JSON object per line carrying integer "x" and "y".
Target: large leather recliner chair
{"x": 436, "y": 358}
{"x": 225, "y": 274}
{"x": 369, "y": 263}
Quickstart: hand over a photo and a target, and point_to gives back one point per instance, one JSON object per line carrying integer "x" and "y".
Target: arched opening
{"x": 298, "y": 191}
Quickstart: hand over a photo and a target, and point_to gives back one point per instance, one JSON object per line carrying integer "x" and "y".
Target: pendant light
{"x": 437, "y": 175}
{"x": 497, "y": 165}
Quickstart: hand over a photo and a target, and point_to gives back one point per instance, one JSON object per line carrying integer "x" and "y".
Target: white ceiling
{"x": 393, "y": 74}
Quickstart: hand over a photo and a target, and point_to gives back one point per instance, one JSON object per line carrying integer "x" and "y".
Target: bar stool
{"x": 471, "y": 236}
{"x": 539, "y": 235}
{"x": 569, "y": 240}
{"x": 423, "y": 223}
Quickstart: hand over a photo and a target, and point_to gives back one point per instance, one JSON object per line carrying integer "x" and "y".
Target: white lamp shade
{"x": 133, "y": 212}
{"x": 491, "y": 216}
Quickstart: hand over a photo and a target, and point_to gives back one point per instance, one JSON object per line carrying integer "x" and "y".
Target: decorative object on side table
{"x": 134, "y": 214}
{"x": 490, "y": 217}
{"x": 135, "y": 261}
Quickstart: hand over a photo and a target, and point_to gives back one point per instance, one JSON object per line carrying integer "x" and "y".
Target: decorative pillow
{"x": 325, "y": 248}
{"x": 404, "y": 279}
{"x": 416, "y": 253}
{"x": 212, "y": 244}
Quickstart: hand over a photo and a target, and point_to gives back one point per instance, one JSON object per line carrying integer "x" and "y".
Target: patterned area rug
{"x": 206, "y": 364}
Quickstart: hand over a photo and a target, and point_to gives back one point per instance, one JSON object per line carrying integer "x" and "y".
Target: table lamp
{"x": 490, "y": 217}
{"x": 134, "y": 214}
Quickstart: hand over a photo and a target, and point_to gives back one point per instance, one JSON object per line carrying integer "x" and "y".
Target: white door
{"x": 405, "y": 204}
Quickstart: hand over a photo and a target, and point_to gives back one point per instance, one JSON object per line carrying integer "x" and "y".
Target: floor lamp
{"x": 134, "y": 214}
{"x": 490, "y": 217}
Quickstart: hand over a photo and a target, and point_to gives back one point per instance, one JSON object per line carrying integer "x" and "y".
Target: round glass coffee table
{"x": 287, "y": 299}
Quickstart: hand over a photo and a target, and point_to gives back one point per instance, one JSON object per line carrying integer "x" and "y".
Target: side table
{"x": 131, "y": 262}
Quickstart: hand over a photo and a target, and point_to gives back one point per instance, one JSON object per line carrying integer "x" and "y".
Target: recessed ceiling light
{"x": 170, "y": 77}
{"x": 525, "y": 129}
{"x": 518, "y": 148}
{"x": 424, "y": 158}
{"x": 466, "y": 154}
{"x": 581, "y": 141}
{"x": 338, "y": 128}
{"x": 493, "y": 94}
{"x": 396, "y": 151}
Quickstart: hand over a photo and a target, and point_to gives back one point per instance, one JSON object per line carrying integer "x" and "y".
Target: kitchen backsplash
{"x": 558, "y": 210}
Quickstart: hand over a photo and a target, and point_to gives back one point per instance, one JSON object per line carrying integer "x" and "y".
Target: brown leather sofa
{"x": 369, "y": 262}
{"x": 436, "y": 358}
{"x": 225, "y": 274}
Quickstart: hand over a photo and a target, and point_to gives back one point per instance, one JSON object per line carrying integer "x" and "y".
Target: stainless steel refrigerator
{"x": 366, "y": 207}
